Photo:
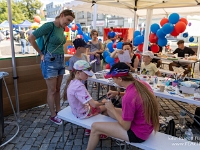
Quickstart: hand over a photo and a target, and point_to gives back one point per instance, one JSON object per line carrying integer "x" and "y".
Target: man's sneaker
{"x": 56, "y": 120}
{"x": 87, "y": 132}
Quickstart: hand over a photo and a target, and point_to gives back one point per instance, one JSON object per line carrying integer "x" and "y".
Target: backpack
{"x": 197, "y": 117}
{"x": 170, "y": 130}
{"x": 42, "y": 44}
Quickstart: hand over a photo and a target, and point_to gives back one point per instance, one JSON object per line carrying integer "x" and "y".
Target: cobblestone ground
{"x": 38, "y": 133}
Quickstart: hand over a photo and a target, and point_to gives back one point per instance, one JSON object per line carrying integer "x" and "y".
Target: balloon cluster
{"x": 173, "y": 25}
{"x": 77, "y": 28}
{"x": 106, "y": 54}
{"x": 139, "y": 40}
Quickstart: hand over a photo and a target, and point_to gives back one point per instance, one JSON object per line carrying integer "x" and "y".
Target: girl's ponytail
{"x": 71, "y": 77}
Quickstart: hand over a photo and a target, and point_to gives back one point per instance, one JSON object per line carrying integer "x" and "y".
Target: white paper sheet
{"x": 125, "y": 57}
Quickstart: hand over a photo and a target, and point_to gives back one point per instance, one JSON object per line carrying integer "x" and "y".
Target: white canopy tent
{"x": 145, "y": 4}
{"x": 129, "y": 12}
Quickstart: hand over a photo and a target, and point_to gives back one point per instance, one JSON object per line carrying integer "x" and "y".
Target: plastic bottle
{"x": 188, "y": 135}
{"x": 182, "y": 118}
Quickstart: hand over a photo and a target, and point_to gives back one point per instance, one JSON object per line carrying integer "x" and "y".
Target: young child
{"x": 134, "y": 59}
{"x": 147, "y": 67}
{"x": 139, "y": 115}
{"x": 80, "y": 47}
{"x": 81, "y": 103}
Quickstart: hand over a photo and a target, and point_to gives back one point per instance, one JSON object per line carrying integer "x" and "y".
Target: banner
{"x": 125, "y": 33}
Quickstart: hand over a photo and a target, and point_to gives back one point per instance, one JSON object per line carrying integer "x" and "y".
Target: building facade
{"x": 53, "y": 10}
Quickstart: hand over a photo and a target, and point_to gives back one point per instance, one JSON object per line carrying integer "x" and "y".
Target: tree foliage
{"x": 21, "y": 10}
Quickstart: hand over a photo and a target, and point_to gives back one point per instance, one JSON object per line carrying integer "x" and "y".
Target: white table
{"x": 156, "y": 91}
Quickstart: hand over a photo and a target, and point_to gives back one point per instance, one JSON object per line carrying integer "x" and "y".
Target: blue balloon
{"x": 109, "y": 60}
{"x": 155, "y": 27}
{"x": 174, "y": 18}
{"x": 67, "y": 63}
{"x": 138, "y": 39}
{"x": 110, "y": 47}
{"x": 69, "y": 46}
{"x": 119, "y": 45}
{"x": 185, "y": 34}
{"x": 105, "y": 54}
{"x": 191, "y": 39}
{"x": 80, "y": 32}
{"x": 135, "y": 44}
{"x": 162, "y": 41}
{"x": 160, "y": 34}
{"x": 111, "y": 64}
{"x": 136, "y": 33}
{"x": 168, "y": 28}
{"x": 86, "y": 38}
{"x": 79, "y": 26}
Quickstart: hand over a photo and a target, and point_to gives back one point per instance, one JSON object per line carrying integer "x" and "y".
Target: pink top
{"x": 78, "y": 98}
{"x": 133, "y": 110}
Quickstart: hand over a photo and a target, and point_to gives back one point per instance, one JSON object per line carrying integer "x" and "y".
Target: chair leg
{"x": 63, "y": 130}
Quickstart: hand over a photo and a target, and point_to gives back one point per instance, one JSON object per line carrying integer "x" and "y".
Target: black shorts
{"x": 133, "y": 138}
{"x": 154, "y": 60}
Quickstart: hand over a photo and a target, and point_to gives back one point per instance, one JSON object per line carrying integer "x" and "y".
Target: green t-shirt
{"x": 56, "y": 40}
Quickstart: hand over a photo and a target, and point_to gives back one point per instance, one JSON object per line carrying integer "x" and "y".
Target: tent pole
{"x": 135, "y": 23}
{"x": 15, "y": 77}
{"x": 94, "y": 16}
{"x": 147, "y": 29}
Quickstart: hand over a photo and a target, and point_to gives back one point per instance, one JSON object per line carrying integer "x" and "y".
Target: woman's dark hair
{"x": 66, "y": 12}
{"x": 127, "y": 43}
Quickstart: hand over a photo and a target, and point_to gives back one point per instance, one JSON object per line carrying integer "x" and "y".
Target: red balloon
{"x": 153, "y": 38}
{"x": 116, "y": 60}
{"x": 71, "y": 51}
{"x": 140, "y": 47}
{"x": 180, "y": 27}
{"x": 155, "y": 48}
{"x": 74, "y": 27}
{"x": 138, "y": 55}
{"x": 184, "y": 20}
{"x": 114, "y": 45}
{"x": 107, "y": 66}
{"x": 174, "y": 33}
{"x": 79, "y": 36}
{"x": 37, "y": 19}
{"x": 66, "y": 29}
{"x": 164, "y": 21}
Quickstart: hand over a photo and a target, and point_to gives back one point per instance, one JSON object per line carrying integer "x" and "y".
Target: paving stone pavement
{"x": 37, "y": 132}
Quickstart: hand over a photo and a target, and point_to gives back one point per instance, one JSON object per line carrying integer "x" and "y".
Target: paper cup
{"x": 162, "y": 88}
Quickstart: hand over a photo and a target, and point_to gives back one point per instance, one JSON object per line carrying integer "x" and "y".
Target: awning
{"x": 123, "y": 9}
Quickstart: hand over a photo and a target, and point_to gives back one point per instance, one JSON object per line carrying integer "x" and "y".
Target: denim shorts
{"x": 53, "y": 68}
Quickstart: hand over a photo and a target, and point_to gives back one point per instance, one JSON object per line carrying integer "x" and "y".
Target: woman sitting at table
{"x": 134, "y": 59}
{"x": 139, "y": 115}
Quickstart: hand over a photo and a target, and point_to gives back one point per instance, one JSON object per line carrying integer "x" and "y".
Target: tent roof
{"x": 129, "y": 12}
{"x": 144, "y": 4}
{"x": 25, "y": 23}
{"x": 4, "y": 24}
